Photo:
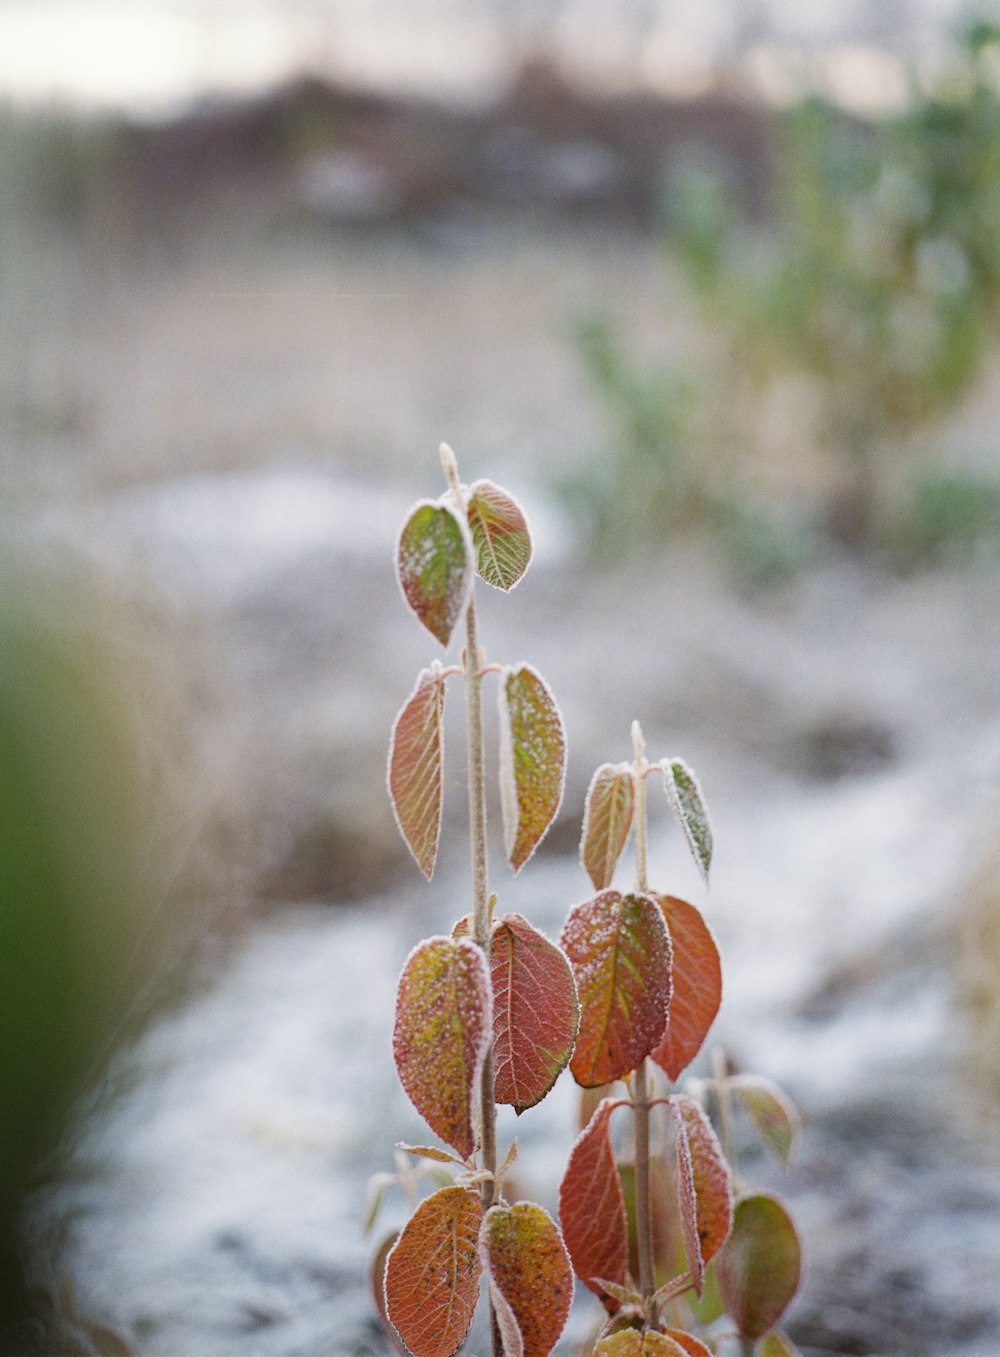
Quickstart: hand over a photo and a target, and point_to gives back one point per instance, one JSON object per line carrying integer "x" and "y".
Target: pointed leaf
{"x": 635, "y": 1343}
{"x": 704, "y": 1187}
{"x": 434, "y": 564}
{"x": 619, "y": 949}
{"x": 416, "y": 786}
{"x": 697, "y": 992}
{"x": 777, "y": 1345}
{"x": 432, "y": 1276}
{"x": 607, "y": 820}
{"x": 530, "y": 1277}
{"x": 442, "y": 1031}
{"x": 535, "y": 1011}
{"x": 773, "y": 1114}
{"x": 760, "y": 1267}
{"x": 532, "y": 761}
{"x": 429, "y": 1152}
{"x": 690, "y": 811}
{"x": 691, "y": 1345}
{"x": 499, "y": 535}
{"x": 592, "y": 1208}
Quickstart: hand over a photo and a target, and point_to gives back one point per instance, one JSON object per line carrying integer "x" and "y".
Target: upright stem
{"x": 640, "y": 1084}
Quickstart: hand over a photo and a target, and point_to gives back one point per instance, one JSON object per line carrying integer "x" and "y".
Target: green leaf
{"x": 432, "y": 1274}
{"x": 441, "y": 1035}
{"x": 761, "y": 1264}
{"x": 532, "y": 761}
{"x": 619, "y": 949}
{"x": 773, "y": 1114}
{"x": 704, "y": 1187}
{"x": 592, "y": 1207}
{"x": 635, "y": 1343}
{"x": 697, "y": 974}
{"x": 499, "y": 535}
{"x": 416, "y": 784}
{"x": 607, "y": 821}
{"x": 434, "y": 563}
{"x": 777, "y": 1345}
{"x": 530, "y": 1277}
{"x": 690, "y": 811}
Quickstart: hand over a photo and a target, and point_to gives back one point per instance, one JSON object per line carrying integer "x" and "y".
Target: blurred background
{"x": 715, "y": 291}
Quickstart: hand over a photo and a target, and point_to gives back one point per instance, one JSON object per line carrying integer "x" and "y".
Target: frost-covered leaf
{"x": 690, "y": 811}
{"x": 704, "y": 1187}
{"x": 532, "y": 761}
{"x": 499, "y": 535}
{"x": 760, "y": 1267}
{"x": 416, "y": 785}
{"x": 429, "y": 1152}
{"x": 530, "y": 1277}
{"x": 592, "y": 1208}
{"x": 434, "y": 562}
{"x": 697, "y": 992}
{"x": 773, "y": 1114}
{"x": 432, "y": 1275}
{"x": 619, "y": 949}
{"x": 607, "y": 820}
{"x": 442, "y": 1031}
{"x": 777, "y": 1345}
{"x": 377, "y": 1280}
{"x": 535, "y": 1011}
{"x": 635, "y": 1343}
{"x": 691, "y": 1345}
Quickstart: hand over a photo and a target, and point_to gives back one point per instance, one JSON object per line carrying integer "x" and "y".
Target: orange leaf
{"x": 416, "y": 787}
{"x": 532, "y": 761}
{"x": 693, "y": 1346}
{"x": 635, "y": 1343}
{"x": 607, "y": 820}
{"x": 704, "y": 1187}
{"x": 434, "y": 564}
{"x": 499, "y": 534}
{"x": 760, "y": 1267}
{"x": 592, "y": 1207}
{"x": 535, "y": 1011}
{"x": 774, "y": 1116}
{"x": 378, "y": 1287}
{"x": 432, "y": 1276}
{"x": 530, "y": 1277}
{"x": 619, "y": 949}
{"x": 442, "y": 1031}
{"x": 697, "y": 992}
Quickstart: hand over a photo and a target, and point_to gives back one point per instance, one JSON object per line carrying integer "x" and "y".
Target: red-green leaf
{"x": 773, "y": 1114}
{"x": 635, "y": 1343}
{"x": 434, "y": 562}
{"x": 592, "y": 1207}
{"x": 416, "y": 786}
{"x": 535, "y": 1011}
{"x": 691, "y": 1345}
{"x": 690, "y": 811}
{"x": 777, "y": 1345}
{"x": 697, "y": 986}
{"x": 607, "y": 820}
{"x": 619, "y": 949}
{"x": 442, "y": 1031}
{"x": 532, "y": 761}
{"x": 530, "y": 1277}
{"x": 760, "y": 1267}
{"x": 432, "y": 1276}
{"x": 499, "y": 535}
{"x": 704, "y": 1187}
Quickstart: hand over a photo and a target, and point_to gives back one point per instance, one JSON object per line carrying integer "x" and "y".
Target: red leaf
{"x": 442, "y": 1031}
{"x": 691, "y": 1345}
{"x": 432, "y": 1276}
{"x": 704, "y": 1187}
{"x": 760, "y": 1267}
{"x": 531, "y": 1280}
{"x": 697, "y": 992}
{"x": 773, "y": 1114}
{"x": 499, "y": 534}
{"x": 592, "y": 1207}
{"x": 532, "y": 761}
{"x": 416, "y": 787}
{"x": 434, "y": 563}
{"x": 619, "y": 949}
{"x": 636, "y": 1343}
{"x": 535, "y": 1011}
{"x": 607, "y": 820}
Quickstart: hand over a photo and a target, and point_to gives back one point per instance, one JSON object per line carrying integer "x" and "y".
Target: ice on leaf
{"x": 690, "y": 811}
{"x": 432, "y": 1275}
{"x": 434, "y": 563}
{"x": 500, "y": 535}
{"x": 530, "y": 1277}
{"x": 607, "y": 821}
{"x": 532, "y": 761}
{"x": 416, "y": 784}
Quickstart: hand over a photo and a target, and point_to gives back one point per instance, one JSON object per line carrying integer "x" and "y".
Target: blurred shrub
{"x": 950, "y": 513}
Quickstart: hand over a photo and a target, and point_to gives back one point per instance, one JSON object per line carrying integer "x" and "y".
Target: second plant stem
{"x": 640, "y": 1080}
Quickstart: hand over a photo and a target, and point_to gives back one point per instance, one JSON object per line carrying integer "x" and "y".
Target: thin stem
{"x": 640, "y": 1086}
{"x": 641, "y": 831}
{"x": 746, "y": 1347}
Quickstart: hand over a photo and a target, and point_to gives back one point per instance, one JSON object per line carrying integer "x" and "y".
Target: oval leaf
{"x": 500, "y": 535}
{"x": 778, "y": 1345}
{"x": 704, "y": 1187}
{"x": 691, "y": 1345}
{"x": 760, "y": 1267}
{"x": 442, "y": 1031}
{"x": 432, "y": 1276}
{"x": 690, "y": 811}
{"x": 416, "y": 785}
{"x": 530, "y": 1277}
{"x": 619, "y": 949}
{"x": 607, "y": 820}
{"x": 532, "y": 761}
{"x": 592, "y": 1207}
{"x": 697, "y": 976}
{"x": 535, "y": 1012}
{"x": 773, "y": 1114}
{"x": 635, "y": 1343}
{"x": 434, "y": 563}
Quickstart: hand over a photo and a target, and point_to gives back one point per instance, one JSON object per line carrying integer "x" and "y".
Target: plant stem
{"x": 746, "y": 1347}
{"x": 640, "y": 1084}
